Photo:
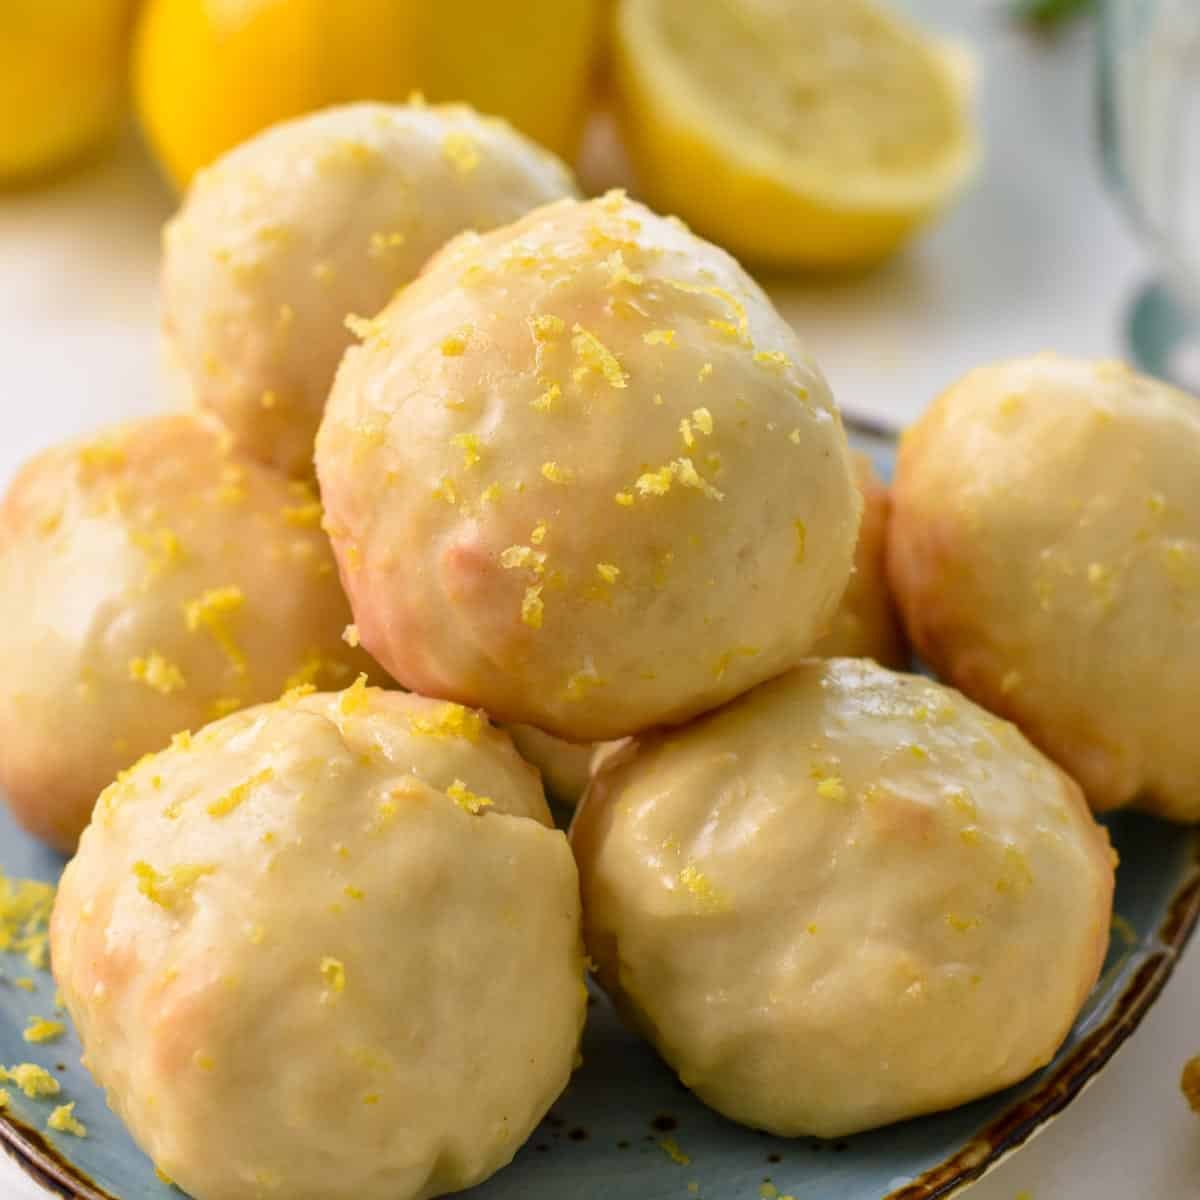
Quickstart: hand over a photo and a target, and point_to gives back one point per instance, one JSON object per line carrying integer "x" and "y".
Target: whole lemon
{"x": 62, "y": 75}
{"x": 210, "y": 73}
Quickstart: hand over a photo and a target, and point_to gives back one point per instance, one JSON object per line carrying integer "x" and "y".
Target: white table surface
{"x": 1036, "y": 257}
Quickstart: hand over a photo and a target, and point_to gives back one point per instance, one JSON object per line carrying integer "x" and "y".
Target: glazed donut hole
{"x": 581, "y": 473}
{"x": 151, "y": 578}
{"x": 1045, "y": 555}
{"x": 314, "y": 220}
{"x": 328, "y": 948}
{"x": 847, "y": 898}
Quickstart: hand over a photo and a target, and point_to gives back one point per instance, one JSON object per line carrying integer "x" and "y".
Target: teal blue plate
{"x": 626, "y": 1130}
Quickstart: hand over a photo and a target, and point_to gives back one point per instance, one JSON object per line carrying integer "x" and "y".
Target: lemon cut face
{"x": 795, "y": 132}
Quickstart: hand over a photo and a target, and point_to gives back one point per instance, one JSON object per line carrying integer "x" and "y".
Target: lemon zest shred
{"x": 63, "y": 1120}
{"x": 466, "y": 799}
{"x": 210, "y": 611}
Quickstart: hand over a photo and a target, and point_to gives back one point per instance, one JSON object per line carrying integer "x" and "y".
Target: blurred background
{"x": 107, "y": 107}
{"x": 983, "y": 179}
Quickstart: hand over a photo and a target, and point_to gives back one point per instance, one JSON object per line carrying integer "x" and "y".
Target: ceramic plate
{"x": 626, "y": 1130}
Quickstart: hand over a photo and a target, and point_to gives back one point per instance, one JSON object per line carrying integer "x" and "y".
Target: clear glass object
{"x": 1149, "y": 57}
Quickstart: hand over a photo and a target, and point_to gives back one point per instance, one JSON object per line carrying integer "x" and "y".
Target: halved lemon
{"x": 796, "y": 133}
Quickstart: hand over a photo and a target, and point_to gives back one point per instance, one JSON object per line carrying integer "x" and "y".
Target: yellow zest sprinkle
{"x": 686, "y": 473}
{"x": 468, "y": 443}
{"x": 157, "y": 673}
{"x": 685, "y": 430}
{"x": 34, "y": 1081}
{"x": 959, "y": 799}
{"x": 625, "y": 499}
{"x": 704, "y": 372}
{"x": 25, "y": 906}
{"x": 776, "y": 360}
{"x": 557, "y": 474}
{"x": 700, "y": 886}
{"x": 671, "y": 1149}
{"x": 593, "y": 355}
{"x": 491, "y": 493}
{"x": 801, "y": 539}
{"x": 467, "y": 799}
{"x": 722, "y": 663}
{"x": 48, "y": 523}
{"x": 172, "y": 890}
{"x": 831, "y": 789}
{"x": 455, "y": 345}
{"x": 584, "y": 681}
{"x": 547, "y": 326}
{"x": 794, "y": 437}
{"x": 704, "y": 421}
{"x": 303, "y": 514}
{"x": 182, "y": 740}
{"x": 297, "y": 692}
{"x": 62, "y": 1120}
{"x": 354, "y": 699}
{"x": 25, "y": 983}
{"x": 233, "y": 798}
{"x": 608, "y": 572}
{"x": 450, "y": 720}
{"x": 1016, "y": 877}
{"x": 515, "y": 556}
{"x": 305, "y": 673}
{"x": 460, "y": 151}
{"x": 659, "y": 337}
{"x": 367, "y": 328}
{"x": 538, "y": 536}
{"x": 210, "y": 611}
{"x": 962, "y": 924}
{"x": 41, "y": 1030}
{"x": 162, "y": 549}
{"x": 103, "y": 453}
{"x": 532, "y": 606}
{"x": 350, "y": 636}
{"x": 334, "y": 975}
{"x": 546, "y": 401}
{"x": 445, "y": 490}
{"x": 656, "y": 483}
{"x": 352, "y": 892}
{"x": 619, "y": 273}
{"x": 381, "y": 243}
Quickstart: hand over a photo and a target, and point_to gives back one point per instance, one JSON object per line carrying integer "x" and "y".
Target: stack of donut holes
{"x": 477, "y": 474}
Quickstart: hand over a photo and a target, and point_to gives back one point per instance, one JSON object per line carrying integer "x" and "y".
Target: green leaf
{"x": 1049, "y": 14}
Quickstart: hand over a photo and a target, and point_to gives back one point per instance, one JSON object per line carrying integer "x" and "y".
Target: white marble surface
{"x": 1036, "y": 257}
